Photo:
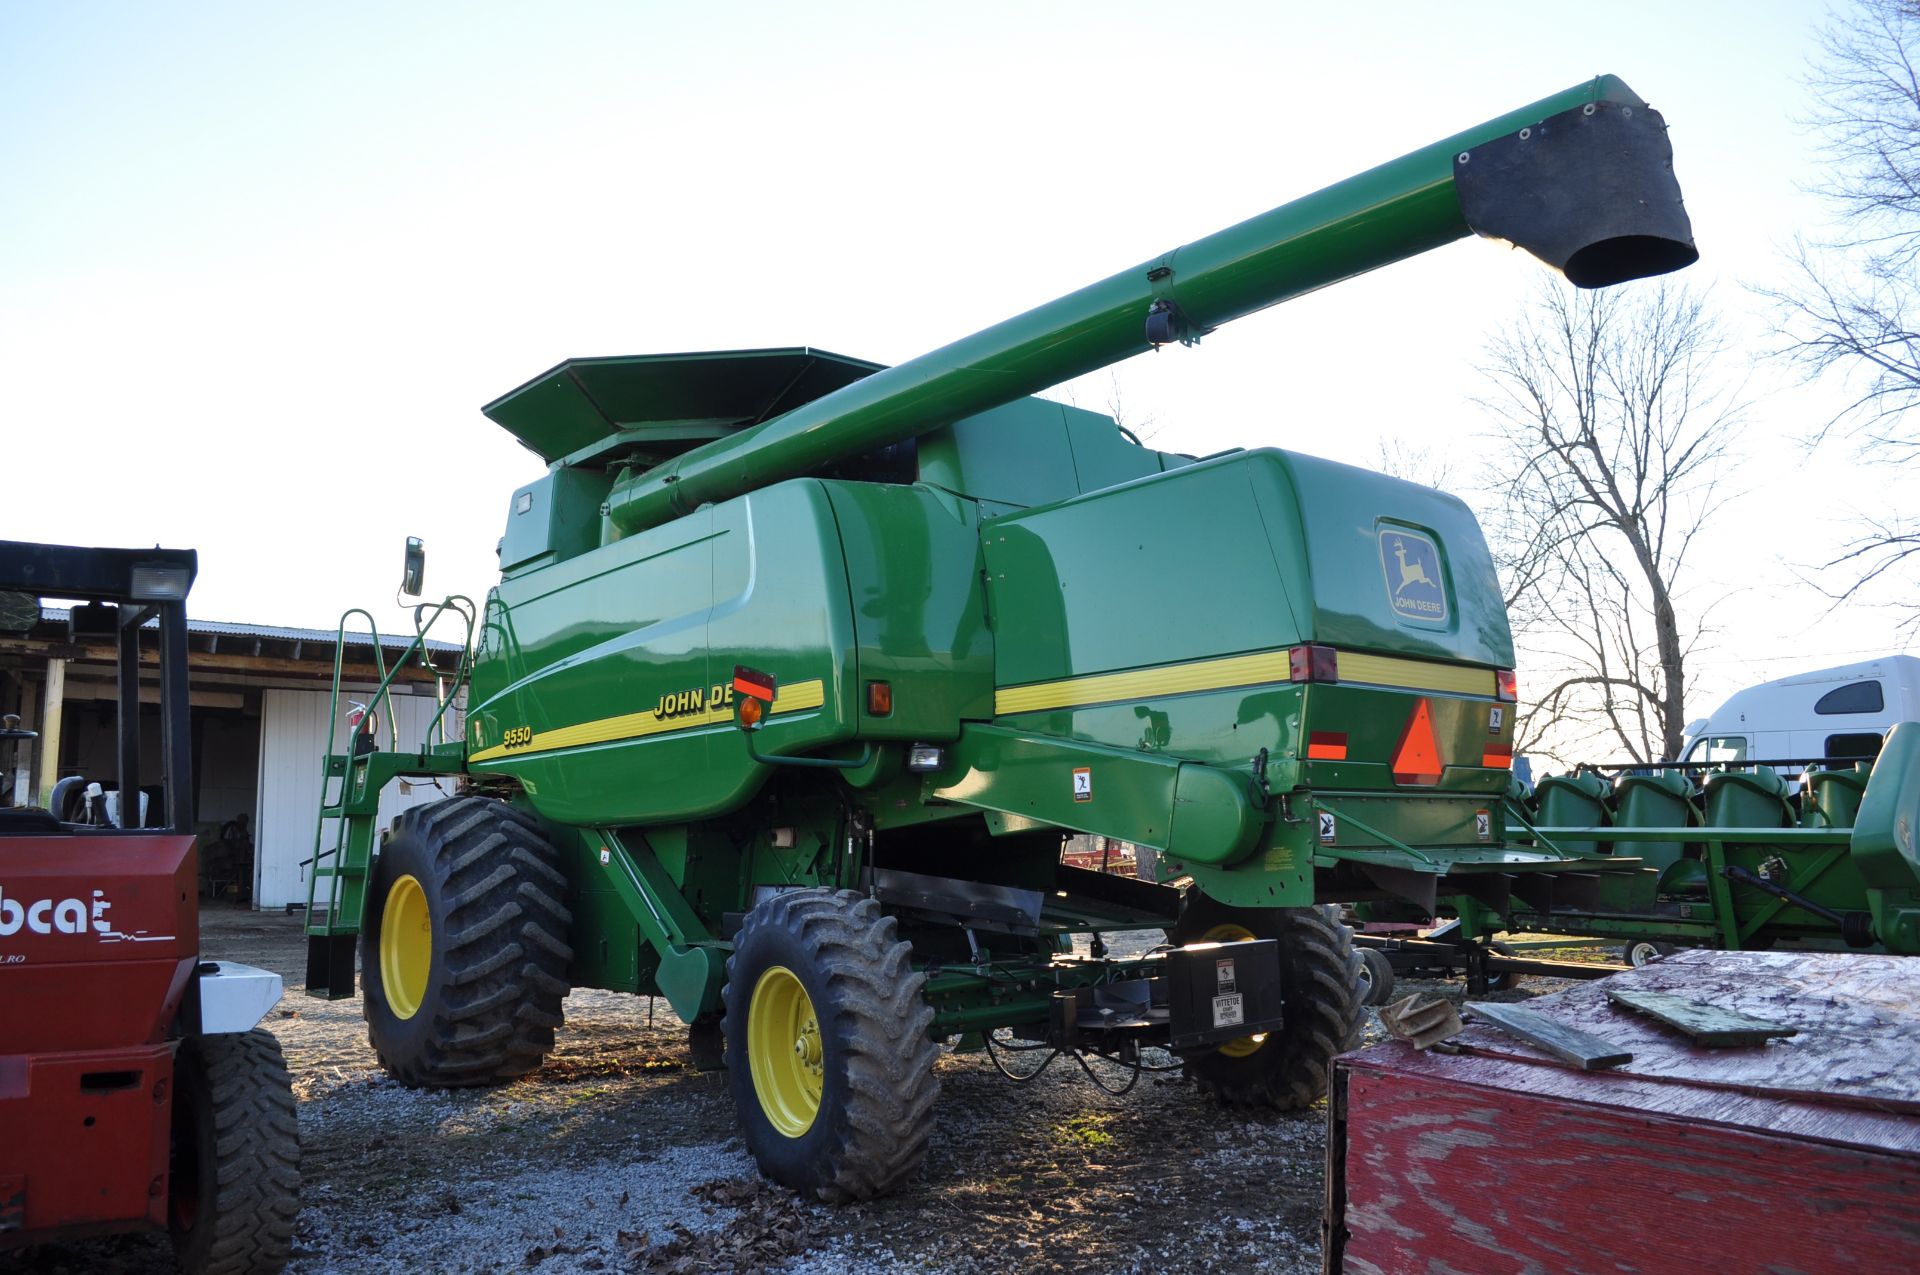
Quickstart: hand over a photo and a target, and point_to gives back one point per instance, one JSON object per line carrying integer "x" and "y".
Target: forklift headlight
{"x": 923, "y": 757}
{"x": 159, "y": 583}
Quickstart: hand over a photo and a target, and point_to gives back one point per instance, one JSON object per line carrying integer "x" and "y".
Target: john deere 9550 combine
{"x": 958, "y": 622}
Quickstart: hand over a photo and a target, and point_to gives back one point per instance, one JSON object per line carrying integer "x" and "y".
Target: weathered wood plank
{"x": 1708, "y": 1025}
{"x": 1858, "y": 1017}
{"x": 1569, "y": 1044}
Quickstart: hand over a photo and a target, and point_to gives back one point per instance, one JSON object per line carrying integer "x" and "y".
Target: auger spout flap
{"x": 1590, "y": 191}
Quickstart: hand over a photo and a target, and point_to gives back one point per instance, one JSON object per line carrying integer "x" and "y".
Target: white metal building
{"x": 260, "y": 707}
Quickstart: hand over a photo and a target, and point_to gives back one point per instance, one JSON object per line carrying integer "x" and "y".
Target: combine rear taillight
{"x": 1497, "y": 756}
{"x": 1506, "y": 686}
{"x": 1313, "y": 663}
{"x": 1327, "y": 745}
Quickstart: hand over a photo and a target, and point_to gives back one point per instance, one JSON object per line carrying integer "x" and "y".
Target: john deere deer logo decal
{"x": 1411, "y": 564}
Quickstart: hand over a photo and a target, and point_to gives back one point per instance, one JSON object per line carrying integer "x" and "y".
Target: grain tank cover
{"x": 662, "y": 404}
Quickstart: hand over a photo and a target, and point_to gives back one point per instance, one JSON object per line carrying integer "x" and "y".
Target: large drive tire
{"x": 1319, "y": 1002}
{"x": 828, "y": 1054}
{"x": 235, "y": 1173}
{"x": 464, "y": 956}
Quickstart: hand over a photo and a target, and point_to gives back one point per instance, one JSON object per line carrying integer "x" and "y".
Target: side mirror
{"x": 415, "y": 572}
{"x": 753, "y": 693}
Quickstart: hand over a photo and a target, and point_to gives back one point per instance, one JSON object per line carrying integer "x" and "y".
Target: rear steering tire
{"x": 827, "y": 1049}
{"x": 235, "y": 1173}
{"x": 1320, "y": 1004}
{"x": 464, "y": 953}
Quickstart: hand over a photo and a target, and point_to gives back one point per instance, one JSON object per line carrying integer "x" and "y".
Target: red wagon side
{"x": 1801, "y": 1155}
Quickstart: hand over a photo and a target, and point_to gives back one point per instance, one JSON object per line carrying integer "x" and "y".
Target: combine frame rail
{"x": 1484, "y": 966}
{"x": 350, "y": 787}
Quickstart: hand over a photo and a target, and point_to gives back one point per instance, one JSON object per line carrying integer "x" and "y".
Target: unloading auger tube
{"x": 1583, "y": 180}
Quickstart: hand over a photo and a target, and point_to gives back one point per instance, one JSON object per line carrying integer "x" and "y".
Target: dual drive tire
{"x": 464, "y": 954}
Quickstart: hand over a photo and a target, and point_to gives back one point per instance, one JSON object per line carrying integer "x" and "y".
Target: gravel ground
{"x": 618, "y": 1156}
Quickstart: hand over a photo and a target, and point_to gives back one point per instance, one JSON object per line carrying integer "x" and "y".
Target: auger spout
{"x": 1583, "y": 180}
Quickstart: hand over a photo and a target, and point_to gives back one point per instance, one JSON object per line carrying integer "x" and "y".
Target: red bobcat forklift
{"x": 136, "y": 1089}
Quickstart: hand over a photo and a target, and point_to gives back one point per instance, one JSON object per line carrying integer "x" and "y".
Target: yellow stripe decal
{"x": 791, "y": 698}
{"x": 1415, "y": 675}
{"x": 1261, "y": 669}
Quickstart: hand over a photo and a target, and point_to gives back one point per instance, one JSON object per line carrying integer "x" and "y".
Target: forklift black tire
{"x": 1320, "y": 1004}
{"x": 1500, "y": 980}
{"x": 235, "y": 1173}
{"x": 464, "y": 954}
{"x": 1376, "y": 975}
{"x": 707, "y": 1044}
{"x": 828, "y": 1051}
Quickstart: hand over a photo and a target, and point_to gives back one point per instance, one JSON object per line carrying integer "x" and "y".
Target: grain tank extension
{"x": 984, "y": 620}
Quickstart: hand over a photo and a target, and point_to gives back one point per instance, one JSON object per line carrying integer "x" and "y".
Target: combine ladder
{"x": 350, "y": 787}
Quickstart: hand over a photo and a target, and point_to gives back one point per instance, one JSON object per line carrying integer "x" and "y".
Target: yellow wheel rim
{"x": 406, "y": 947}
{"x": 784, "y": 1051}
{"x": 1228, "y": 932}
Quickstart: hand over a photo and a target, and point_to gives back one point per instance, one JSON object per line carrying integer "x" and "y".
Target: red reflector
{"x": 752, "y": 682}
{"x": 1417, "y": 759}
{"x": 1327, "y": 745}
{"x": 1313, "y": 663}
{"x": 1506, "y": 686}
{"x": 1497, "y": 756}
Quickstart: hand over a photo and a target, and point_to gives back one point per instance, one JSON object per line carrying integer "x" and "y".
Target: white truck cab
{"x": 1839, "y": 713}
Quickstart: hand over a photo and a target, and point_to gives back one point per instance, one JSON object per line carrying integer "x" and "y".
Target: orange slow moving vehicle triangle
{"x": 1417, "y": 759}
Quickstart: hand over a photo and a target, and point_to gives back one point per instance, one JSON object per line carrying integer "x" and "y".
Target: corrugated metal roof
{"x": 284, "y": 633}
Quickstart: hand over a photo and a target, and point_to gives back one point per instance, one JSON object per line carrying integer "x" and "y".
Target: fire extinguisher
{"x": 360, "y": 724}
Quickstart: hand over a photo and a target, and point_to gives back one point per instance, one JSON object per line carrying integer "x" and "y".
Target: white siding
{"x": 293, "y": 739}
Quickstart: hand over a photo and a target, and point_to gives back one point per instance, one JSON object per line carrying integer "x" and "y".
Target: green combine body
{"x": 988, "y": 620}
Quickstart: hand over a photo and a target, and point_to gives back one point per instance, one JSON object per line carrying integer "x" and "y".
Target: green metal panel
{"x": 619, "y": 662}
{"x": 553, "y": 518}
{"x": 1191, "y": 811}
{"x": 1254, "y": 551}
{"x": 1347, "y": 522}
{"x": 913, "y": 575}
{"x": 582, "y": 402}
{"x": 1068, "y": 585}
{"x": 1012, "y": 457}
{"x": 1102, "y": 457}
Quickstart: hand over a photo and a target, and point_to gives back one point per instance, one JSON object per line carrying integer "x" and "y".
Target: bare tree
{"x": 1853, "y": 306}
{"x": 1428, "y": 466}
{"x": 1612, "y": 434}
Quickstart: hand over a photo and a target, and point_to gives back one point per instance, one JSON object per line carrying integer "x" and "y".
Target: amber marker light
{"x": 879, "y": 699}
{"x": 1327, "y": 745}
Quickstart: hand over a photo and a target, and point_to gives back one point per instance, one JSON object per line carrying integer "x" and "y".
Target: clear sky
{"x": 261, "y": 264}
